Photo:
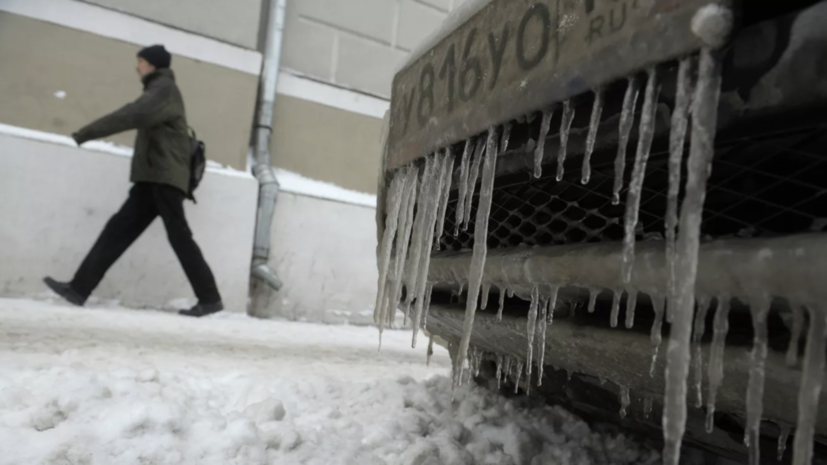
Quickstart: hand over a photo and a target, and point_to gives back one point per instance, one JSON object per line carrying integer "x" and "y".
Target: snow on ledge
{"x": 289, "y": 181}
{"x": 295, "y": 183}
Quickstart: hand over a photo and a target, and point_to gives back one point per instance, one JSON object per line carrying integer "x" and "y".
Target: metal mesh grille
{"x": 769, "y": 185}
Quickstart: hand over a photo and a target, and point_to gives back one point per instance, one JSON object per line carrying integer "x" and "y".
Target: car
{"x": 619, "y": 206}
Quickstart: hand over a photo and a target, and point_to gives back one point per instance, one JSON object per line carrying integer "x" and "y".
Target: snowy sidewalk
{"x": 95, "y": 386}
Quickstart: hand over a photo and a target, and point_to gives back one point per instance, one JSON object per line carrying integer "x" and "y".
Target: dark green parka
{"x": 162, "y": 153}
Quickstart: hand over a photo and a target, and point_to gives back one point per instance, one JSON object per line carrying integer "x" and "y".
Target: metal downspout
{"x": 263, "y": 170}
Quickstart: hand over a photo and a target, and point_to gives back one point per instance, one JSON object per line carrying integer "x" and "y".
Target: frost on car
{"x": 619, "y": 205}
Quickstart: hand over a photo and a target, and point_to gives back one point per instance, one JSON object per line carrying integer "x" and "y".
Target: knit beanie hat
{"x": 157, "y": 56}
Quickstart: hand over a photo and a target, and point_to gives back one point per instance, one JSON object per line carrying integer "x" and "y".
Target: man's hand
{"x": 78, "y": 138}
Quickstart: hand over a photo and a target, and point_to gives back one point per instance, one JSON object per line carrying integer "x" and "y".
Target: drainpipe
{"x": 262, "y": 169}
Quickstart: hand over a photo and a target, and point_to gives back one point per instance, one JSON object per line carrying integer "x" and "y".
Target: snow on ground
{"x": 114, "y": 386}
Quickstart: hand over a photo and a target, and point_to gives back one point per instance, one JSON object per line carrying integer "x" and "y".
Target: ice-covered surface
{"x": 115, "y": 386}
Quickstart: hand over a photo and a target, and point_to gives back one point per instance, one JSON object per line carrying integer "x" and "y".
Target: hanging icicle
{"x": 499, "y": 370}
{"x": 430, "y": 206}
{"x": 616, "y": 295}
{"x": 541, "y": 343}
{"x": 430, "y": 350}
{"x": 447, "y": 177}
{"x": 473, "y": 175}
{"x": 697, "y": 358}
{"x": 531, "y": 327}
{"x": 644, "y": 146}
{"x": 702, "y": 150}
{"x": 716, "y": 358}
{"x": 631, "y": 305}
{"x": 462, "y": 185}
{"x": 552, "y": 303}
{"x": 627, "y": 119}
{"x": 486, "y": 290}
{"x": 593, "y": 299}
{"x": 519, "y": 376}
{"x": 540, "y": 149}
{"x": 480, "y": 242}
{"x": 506, "y": 137}
{"x": 429, "y": 290}
{"x": 677, "y": 141}
{"x": 502, "y": 305}
{"x": 656, "y": 335}
{"x": 624, "y": 401}
{"x": 783, "y": 437}
{"x": 760, "y": 309}
{"x": 393, "y": 205}
{"x": 565, "y": 130}
{"x": 594, "y": 124}
{"x": 403, "y": 239}
{"x": 812, "y": 378}
{"x": 795, "y": 335}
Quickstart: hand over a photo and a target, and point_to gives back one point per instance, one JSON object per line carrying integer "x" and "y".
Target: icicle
{"x": 647, "y": 407}
{"x": 795, "y": 335}
{"x": 811, "y": 382}
{"x": 624, "y": 401}
{"x": 656, "y": 336}
{"x": 391, "y": 224}
{"x": 447, "y": 176}
{"x": 510, "y": 292}
{"x": 403, "y": 240}
{"x": 783, "y": 437}
{"x": 593, "y": 299}
{"x": 631, "y": 304}
{"x": 478, "y": 362}
{"x": 697, "y": 358}
{"x": 519, "y": 376}
{"x": 419, "y": 231}
{"x": 499, "y": 370}
{"x": 430, "y": 350}
{"x": 627, "y": 119}
{"x": 473, "y": 175}
{"x": 508, "y": 365}
{"x": 480, "y": 242}
{"x": 760, "y": 309}
{"x": 502, "y": 305}
{"x": 463, "y": 183}
{"x": 539, "y": 150}
{"x": 705, "y": 122}
{"x": 430, "y": 205}
{"x": 716, "y": 359}
{"x": 486, "y": 290}
{"x": 541, "y": 343}
{"x": 615, "y": 306}
{"x": 594, "y": 124}
{"x": 565, "y": 130}
{"x": 429, "y": 290}
{"x": 552, "y": 303}
{"x": 531, "y": 327}
{"x": 644, "y": 146}
{"x": 677, "y": 140}
{"x": 506, "y": 137}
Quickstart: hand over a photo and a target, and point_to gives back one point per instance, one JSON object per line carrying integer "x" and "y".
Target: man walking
{"x": 160, "y": 173}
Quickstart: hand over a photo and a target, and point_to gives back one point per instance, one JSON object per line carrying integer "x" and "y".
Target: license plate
{"x": 518, "y": 56}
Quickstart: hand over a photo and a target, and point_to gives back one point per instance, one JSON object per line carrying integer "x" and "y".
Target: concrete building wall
{"x": 55, "y": 200}
{"x": 233, "y": 21}
{"x": 358, "y": 44}
{"x": 324, "y": 252}
{"x": 57, "y": 79}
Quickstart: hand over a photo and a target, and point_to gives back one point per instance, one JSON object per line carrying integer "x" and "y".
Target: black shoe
{"x": 66, "y": 291}
{"x": 203, "y": 310}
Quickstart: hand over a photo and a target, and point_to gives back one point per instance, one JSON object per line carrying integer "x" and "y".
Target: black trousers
{"x": 145, "y": 202}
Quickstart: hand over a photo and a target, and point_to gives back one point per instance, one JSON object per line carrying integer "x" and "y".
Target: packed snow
{"x": 106, "y": 386}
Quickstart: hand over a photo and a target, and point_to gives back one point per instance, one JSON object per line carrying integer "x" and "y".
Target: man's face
{"x": 144, "y": 67}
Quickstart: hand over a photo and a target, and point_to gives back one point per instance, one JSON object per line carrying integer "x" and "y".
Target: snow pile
{"x": 102, "y": 387}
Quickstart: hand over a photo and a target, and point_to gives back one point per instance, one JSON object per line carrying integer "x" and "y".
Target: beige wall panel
{"x": 327, "y": 144}
{"x": 97, "y": 75}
